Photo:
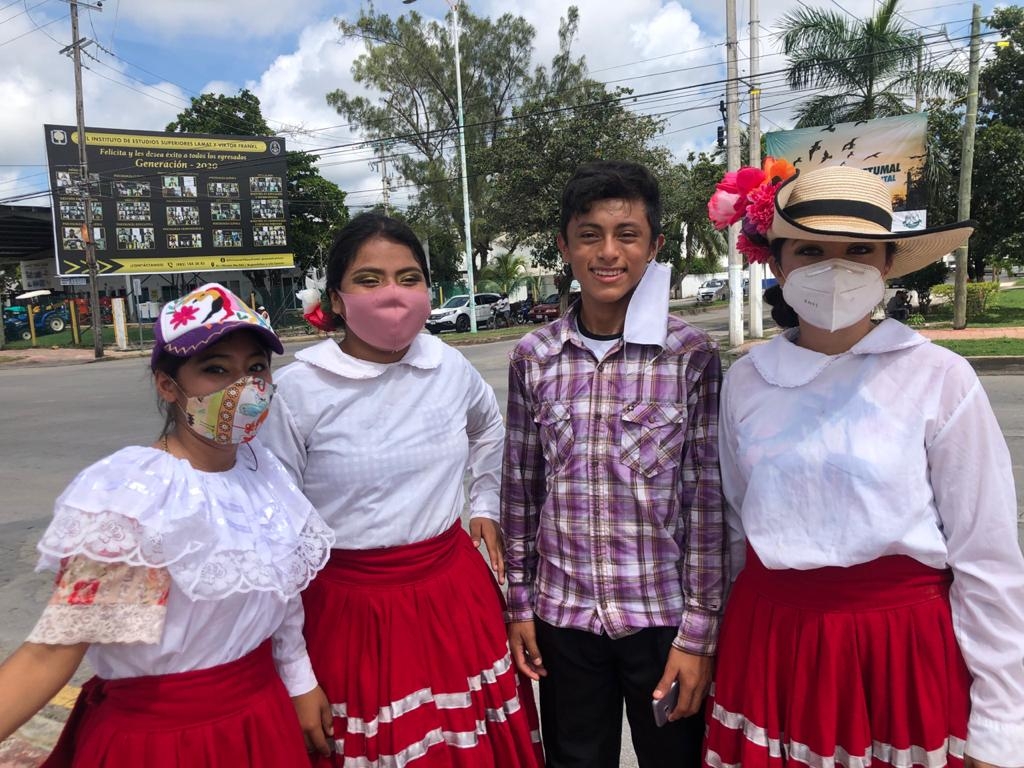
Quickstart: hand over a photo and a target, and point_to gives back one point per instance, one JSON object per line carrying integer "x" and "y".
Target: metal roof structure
{"x": 26, "y": 233}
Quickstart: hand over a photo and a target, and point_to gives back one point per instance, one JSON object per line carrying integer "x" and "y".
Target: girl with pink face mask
{"x": 179, "y": 567}
{"x": 877, "y": 611}
{"x": 404, "y": 627}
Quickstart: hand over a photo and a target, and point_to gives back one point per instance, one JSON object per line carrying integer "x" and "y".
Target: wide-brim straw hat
{"x": 840, "y": 204}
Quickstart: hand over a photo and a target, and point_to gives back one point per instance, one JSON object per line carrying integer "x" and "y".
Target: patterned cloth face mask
{"x": 231, "y": 415}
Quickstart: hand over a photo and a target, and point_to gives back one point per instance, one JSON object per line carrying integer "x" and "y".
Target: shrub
{"x": 978, "y": 295}
{"x": 915, "y": 320}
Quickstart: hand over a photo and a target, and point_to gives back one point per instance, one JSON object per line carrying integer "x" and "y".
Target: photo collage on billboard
{"x": 194, "y": 200}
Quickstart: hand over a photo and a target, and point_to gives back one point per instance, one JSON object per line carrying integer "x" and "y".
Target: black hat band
{"x": 852, "y": 208}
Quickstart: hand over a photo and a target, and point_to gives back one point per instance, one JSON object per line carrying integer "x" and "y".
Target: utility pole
{"x": 756, "y": 303}
{"x": 732, "y": 155}
{"x": 84, "y": 186}
{"x": 385, "y": 182}
{"x": 966, "y": 169}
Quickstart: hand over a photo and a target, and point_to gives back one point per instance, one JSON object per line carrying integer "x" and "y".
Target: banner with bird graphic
{"x": 892, "y": 148}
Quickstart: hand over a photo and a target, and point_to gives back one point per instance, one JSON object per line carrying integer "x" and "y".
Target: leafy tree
{"x": 549, "y": 138}
{"x": 692, "y": 242}
{"x": 1001, "y": 82}
{"x": 997, "y": 185}
{"x": 410, "y": 62}
{"x": 316, "y": 206}
{"x": 923, "y": 280}
{"x": 504, "y": 273}
{"x": 868, "y": 67}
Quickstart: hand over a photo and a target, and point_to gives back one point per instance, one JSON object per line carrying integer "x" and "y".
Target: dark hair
{"x": 610, "y": 180}
{"x": 359, "y": 231}
{"x": 783, "y": 314}
{"x": 171, "y": 364}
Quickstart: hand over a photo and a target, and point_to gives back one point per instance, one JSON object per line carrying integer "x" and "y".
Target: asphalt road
{"x": 55, "y": 421}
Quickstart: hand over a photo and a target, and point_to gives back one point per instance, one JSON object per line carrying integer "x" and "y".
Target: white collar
{"x": 784, "y": 364}
{"x": 647, "y": 313}
{"x": 425, "y": 353}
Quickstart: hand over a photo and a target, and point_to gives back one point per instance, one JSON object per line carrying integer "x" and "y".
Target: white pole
{"x": 465, "y": 176}
{"x": 754, "y": 137}
{"x": 732, "y": 133}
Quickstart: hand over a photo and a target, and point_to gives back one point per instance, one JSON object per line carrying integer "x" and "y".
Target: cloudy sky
{"x": 151, "y": 56}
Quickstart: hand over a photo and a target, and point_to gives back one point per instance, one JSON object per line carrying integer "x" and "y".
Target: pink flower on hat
{"x": 761, "y": 210}
{"x": 755, "y": 252}
{"x": 183, "y": 316}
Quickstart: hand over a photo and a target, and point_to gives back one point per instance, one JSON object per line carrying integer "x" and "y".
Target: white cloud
{"x": 293, "y": 94}
{"x": 37, "y": 87}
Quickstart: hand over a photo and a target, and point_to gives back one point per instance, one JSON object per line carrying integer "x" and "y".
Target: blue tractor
{"x": 47, "y": 320}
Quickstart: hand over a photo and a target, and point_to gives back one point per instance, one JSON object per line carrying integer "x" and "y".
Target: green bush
{"x": 915, "y": 320}
{"x": 978, "y": 295}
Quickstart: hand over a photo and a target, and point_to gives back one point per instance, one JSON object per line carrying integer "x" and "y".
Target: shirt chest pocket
{"x": 652, "y": 436}
{"x": 554, "y": 425}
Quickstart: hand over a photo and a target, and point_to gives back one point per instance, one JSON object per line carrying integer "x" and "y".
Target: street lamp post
{"x": 454, "y": 6}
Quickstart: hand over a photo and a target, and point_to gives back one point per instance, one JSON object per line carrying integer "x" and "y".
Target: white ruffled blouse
{"x": 231, "y": 551}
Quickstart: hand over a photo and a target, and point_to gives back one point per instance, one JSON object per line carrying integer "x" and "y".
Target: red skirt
{"x": 853, "y": 665}
{"x": 409, "y": 645}
{"x": 229, "y": 716}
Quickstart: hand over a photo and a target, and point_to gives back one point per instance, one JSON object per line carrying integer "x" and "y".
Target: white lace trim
{"x": 200, "y": 573}
{"x": 72, "y": 624}
{"x": 216, "y": 533}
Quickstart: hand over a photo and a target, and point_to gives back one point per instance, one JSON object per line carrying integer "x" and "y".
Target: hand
{"x": 522, "y": 643}
{"x": 693, "y": 673}
{"x": 488, "y": 530}
{"x": 317, "y": 722}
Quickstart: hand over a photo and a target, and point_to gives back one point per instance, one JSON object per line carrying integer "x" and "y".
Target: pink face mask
{"x": 387, "y": 318}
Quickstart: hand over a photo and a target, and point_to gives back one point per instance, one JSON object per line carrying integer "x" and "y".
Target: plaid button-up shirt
{"x": 611, "y": 499}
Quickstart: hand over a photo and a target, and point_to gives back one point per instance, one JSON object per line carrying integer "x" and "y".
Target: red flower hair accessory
{"x": 748, "y": 195}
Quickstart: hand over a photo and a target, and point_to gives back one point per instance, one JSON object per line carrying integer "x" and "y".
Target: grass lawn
{"x": 63, "y": 339}
{"x": 1005, "y": 310}
{"x": 984, "y": 347}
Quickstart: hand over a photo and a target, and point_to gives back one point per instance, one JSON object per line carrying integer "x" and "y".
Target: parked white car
{"x": 453, "y": 315}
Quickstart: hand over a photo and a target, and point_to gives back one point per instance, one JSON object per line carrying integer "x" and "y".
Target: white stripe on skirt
{"x": 910, "y": 757}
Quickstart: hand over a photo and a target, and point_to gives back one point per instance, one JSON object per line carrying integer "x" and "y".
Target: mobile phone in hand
{"x": 663, "y": 707}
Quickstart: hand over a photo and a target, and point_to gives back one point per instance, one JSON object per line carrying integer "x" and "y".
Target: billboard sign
{"x": 169, "y": 202}
{"x": 892, "y": 148}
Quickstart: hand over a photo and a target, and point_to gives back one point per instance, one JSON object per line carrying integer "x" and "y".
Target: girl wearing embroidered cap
{"x": 179, "y": 568}
{"x": 877, "y": 613}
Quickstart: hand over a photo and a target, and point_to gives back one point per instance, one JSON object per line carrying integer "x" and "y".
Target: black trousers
{"x": 589, "y": 677}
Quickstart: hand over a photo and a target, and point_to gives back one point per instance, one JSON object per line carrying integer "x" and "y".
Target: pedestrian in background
{"x": 404, "y": 626}
{"x": 611, "y": 499}
{"x": 178, "y": 572}
{"x": 878, "y": 613}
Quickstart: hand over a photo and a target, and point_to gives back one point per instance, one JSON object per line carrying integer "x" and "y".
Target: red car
{"x": 545, "y": 311}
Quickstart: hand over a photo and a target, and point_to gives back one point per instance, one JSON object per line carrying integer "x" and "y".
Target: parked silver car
{"x": 713, "y": 290}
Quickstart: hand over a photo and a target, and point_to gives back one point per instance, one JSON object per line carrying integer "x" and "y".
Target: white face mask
{"x": 833, "y": 294}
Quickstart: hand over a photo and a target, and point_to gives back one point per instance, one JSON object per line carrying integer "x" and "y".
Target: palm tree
{"x": 868, "y": 68}
{"x": 504, "y": 273}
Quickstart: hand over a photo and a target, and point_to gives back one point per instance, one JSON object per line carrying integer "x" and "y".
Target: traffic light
{"x": 721, "y": 136}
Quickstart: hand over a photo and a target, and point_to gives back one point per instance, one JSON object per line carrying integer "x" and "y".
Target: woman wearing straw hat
{"x": 877, "y": 618}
